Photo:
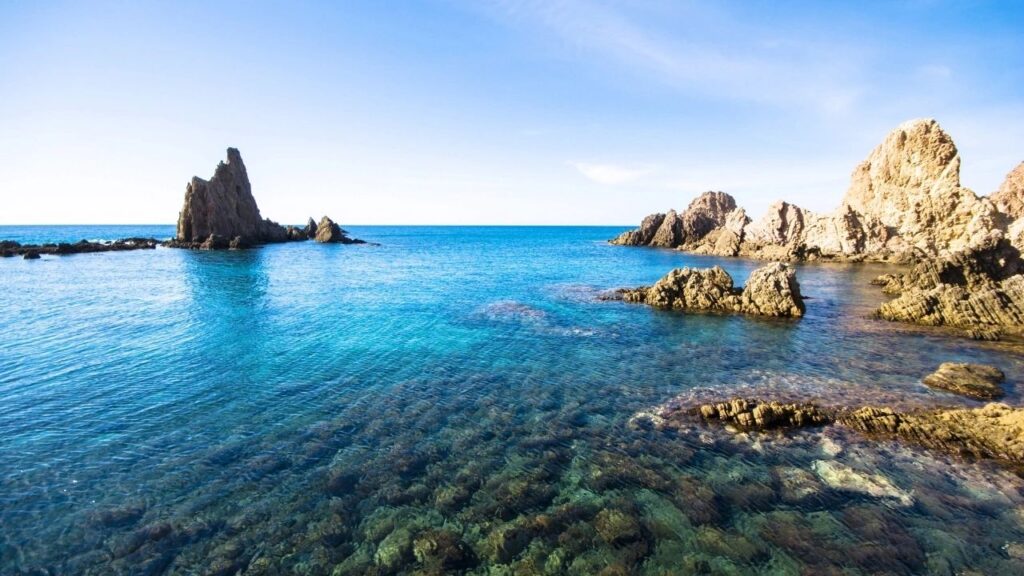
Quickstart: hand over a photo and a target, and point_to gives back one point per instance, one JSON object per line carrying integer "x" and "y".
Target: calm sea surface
{"x": 456, "y": 399}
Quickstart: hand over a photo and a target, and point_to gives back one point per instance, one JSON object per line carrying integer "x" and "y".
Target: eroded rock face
{"x": 222, "y": 213}
{"x": 980, "y": 291}
{"x": 772, "y": 290}
{"x": 1009, "y": 199}
{"x": 904, "y": 204}
{"x": 706, "y": 213}
{"x": 329, "y": 232}
{"x": 976, "y": 381}
{"x": 224, "y": 206}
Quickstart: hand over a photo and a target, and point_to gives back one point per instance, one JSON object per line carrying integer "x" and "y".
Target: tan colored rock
{"x": 976, "y": 381}
{"x": 772, "y": 290}
{"x": 1009, "y": 199}
{"x": 904, "y": 203}
{"x": 979, "y": 290}
{"x": 705, "y": 213}
{"x": 759, "y": 415}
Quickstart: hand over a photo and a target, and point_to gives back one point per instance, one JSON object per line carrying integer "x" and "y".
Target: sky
{"x": 488, "y": 112}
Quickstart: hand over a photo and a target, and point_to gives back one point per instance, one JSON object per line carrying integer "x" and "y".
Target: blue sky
{"x": 451, "y": 111}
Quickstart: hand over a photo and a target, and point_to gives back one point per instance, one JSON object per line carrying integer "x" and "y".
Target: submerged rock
{"x": 771, "y": 291}
{"x": 842, "y": 477}
{"x": 976, "y": 381}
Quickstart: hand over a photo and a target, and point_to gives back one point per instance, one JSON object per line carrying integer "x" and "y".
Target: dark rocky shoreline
{"x": 10, "y": 248}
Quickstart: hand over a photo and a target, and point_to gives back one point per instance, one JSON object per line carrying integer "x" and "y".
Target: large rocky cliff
{"x": 222, "y": 213}
{"x": 905, "y": 203}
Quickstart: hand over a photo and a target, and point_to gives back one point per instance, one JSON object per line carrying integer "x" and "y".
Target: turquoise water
{"x": 456, "y": 399}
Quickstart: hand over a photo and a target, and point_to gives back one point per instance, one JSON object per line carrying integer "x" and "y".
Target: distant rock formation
{"x": 770, "y": 291}
{"x": 980, "y": 291}
{"x": 904, "y": 203}
{"x": 329, "y": 232}
{"x": 10, "y": 248}
{"x": 221, "y": 213}
{"x": 1009, "y": 199}
{"x": 704, "y": 214}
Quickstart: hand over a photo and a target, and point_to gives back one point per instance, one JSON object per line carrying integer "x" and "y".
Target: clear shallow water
{"x": 456, "y": 399}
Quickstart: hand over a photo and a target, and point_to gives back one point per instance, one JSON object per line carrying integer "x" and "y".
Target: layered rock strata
{"x": 977, "y": 381}
{"x": 978, "y": 291}
{"x": 222, "y": 213}
{"x": 771, "y": 290}
{"x": 904, "y": 203}
{"x": 994, "y": 431}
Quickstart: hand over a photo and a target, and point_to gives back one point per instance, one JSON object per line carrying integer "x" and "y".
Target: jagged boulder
{"x": 771, "y": 291}
{"x": 329, "y": 232}
{"x": 705, "y": 213}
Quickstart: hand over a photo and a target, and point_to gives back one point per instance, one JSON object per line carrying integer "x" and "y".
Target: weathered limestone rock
{"x": 221, "y": 213}
{"x": 904, "y": 203}
{"x": 980, "y": 290}
{"x": 772, "y": 290}
{"x": 329, "y": 232}
{"x": 1009, "y": 199}
{"x": 976, "y": 381}
{"x": 705, "y": 213}
{"x": 758, "y": 415}
{"x": 994, "y": 431}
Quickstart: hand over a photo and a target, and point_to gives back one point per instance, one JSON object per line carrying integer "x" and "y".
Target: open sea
{"x": 457, "y": 400}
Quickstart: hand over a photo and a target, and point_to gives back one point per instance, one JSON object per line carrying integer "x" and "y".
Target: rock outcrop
{"x": 979, "y": 291}
{"x": 222, "y": 213}
{"x": 994, "y": 431}
{"x": 1009, "y": 199}
{"x": 705, "y": 213}
{"x": 10, "y": 248}
{"x": 905, "y": 203}
{"x": 976, "y": 381}
{"x": 772, "y": 290}
{"x": 329, "y": 232}
{"x": 758, "y": 415}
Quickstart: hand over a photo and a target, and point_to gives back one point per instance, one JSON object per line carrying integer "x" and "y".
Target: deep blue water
{"x": 457, "y": 399}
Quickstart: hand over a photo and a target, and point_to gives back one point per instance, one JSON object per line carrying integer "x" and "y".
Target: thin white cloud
{"x": 741, "y": 62}
{"x": 610, "y": 174}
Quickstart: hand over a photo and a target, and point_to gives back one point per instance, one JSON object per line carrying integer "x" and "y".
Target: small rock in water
{"x": 842, "y": 477}
{"x": 976, "y": 381}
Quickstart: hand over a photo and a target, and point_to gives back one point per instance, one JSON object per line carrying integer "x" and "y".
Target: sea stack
{"x": 222, "y": 213}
